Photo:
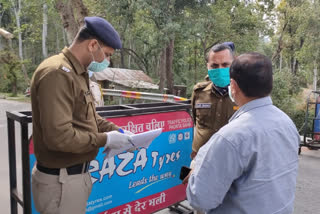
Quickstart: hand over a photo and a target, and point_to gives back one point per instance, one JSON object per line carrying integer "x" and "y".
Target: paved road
{"x": 6, "y": 105}
{"x": 308, "y": 185}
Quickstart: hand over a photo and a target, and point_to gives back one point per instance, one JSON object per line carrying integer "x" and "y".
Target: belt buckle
{"x": 85, "y": 167}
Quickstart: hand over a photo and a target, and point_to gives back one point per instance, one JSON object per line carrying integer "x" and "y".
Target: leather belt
{"x": 71, "y": 170}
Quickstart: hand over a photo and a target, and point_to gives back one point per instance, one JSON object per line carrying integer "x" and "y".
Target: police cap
{"x": 104, "y": 31}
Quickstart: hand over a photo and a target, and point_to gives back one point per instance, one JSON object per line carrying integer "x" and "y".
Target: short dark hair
{"x": 219, "y": 47}
{"x": 85, "y": 34}
{"x": 253, "y": 74}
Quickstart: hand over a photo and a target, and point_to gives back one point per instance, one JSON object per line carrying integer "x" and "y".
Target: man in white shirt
{"x": 250, "y": 165}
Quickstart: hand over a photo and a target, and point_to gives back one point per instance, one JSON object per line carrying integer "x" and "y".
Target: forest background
{"x": 169, "y": 39}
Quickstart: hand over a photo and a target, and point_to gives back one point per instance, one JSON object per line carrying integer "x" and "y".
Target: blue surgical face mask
{"x": 220, "y": 76}
{"x": 98, "y": 66}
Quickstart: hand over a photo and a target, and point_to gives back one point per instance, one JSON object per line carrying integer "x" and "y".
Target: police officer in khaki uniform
{"x": 67, "y": 131}
{"x": 211, "y": 105}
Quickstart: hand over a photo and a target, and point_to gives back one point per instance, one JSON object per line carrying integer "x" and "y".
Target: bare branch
{"x": 279, "y": 48}
{"x": 137, "y": 57}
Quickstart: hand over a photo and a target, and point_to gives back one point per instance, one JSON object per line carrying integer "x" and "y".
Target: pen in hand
{"x": 130, "y": 141}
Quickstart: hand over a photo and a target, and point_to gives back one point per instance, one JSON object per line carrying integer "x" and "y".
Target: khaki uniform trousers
{"x": 60, "y": 194}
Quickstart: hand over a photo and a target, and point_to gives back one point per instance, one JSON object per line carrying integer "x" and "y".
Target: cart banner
{"x": 148, "y": 179}
{"x": 316, "y": 122}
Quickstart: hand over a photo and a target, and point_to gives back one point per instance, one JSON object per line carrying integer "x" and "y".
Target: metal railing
{"x": 143, "y": 95}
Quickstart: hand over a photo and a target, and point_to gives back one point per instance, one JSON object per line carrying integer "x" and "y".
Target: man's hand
{"x": 117, "y": 140}
{"x": 186, "y": 179}
{"x": 193, "y": 154}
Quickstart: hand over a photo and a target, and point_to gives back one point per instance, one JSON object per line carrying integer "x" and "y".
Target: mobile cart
{"x": 311, "y": 129}
{"x": 143, "y": 182}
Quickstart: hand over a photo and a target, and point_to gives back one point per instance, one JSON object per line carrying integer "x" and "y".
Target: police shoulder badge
{"x": 65, "y": 69}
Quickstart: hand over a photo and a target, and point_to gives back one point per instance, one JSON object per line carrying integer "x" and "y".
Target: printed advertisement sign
{"x": 148, "y": 179}
{"x": 316, "y": 122}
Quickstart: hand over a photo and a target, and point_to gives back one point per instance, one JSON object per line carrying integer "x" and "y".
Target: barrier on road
{"x": 141, "y": 182}
{"x": 143, "y": 95}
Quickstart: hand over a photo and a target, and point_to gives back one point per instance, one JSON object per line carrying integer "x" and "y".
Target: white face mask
{"x": 230, "y": 94}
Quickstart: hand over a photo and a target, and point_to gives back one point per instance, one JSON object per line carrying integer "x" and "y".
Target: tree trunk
{"x": 14, "y": 89}
{"x": 169, "y": 65}
{"x": 80, "y": 11}
{"x": 315, "y": 74}
{"x": 122, "y": 59}
{"x": 17, "y": 14}
{"x": 45, "y": 31}
{"x": 64, "y": 35}
{"x": 57, "y": 39}
{"x": 291, "y": 64}
{"x": 205, "y": 48}
{"x": 195, "y": 65}
{"x": 129, "y": 56}
{"x": 280, "y": 62}
{"x": 122, "y": 63}
{"x": 69, "y": 23}
{"x": 296, "y": 66}
{"x": 296, "y": 61}
{"x": 1, "y": 45}
{"x": 162, "y": 70}
{"x": 279, "y": 46}
{"x": 17, "y": 11}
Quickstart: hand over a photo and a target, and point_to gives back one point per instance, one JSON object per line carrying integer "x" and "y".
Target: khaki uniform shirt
{"x": 210, "y": 112}
{"x": 66, "y": 128}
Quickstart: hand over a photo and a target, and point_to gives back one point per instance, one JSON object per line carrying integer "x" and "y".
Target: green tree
{"x": 10, "y": 74}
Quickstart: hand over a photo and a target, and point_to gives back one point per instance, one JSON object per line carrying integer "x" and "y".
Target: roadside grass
{"x": 19, "y": 97}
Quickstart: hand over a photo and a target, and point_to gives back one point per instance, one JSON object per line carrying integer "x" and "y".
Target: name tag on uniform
{"x": 203, "y": 105}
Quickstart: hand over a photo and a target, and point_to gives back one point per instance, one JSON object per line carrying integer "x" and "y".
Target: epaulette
{"x": 64, "y": 68}
{"x": 201, "y": 85}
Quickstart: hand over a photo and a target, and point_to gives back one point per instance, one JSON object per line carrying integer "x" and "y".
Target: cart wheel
{"x": 299, "y": 152}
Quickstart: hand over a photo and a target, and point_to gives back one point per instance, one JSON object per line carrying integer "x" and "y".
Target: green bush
{"x": 285, "y": 96}
{"x": 11, "y": 77}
